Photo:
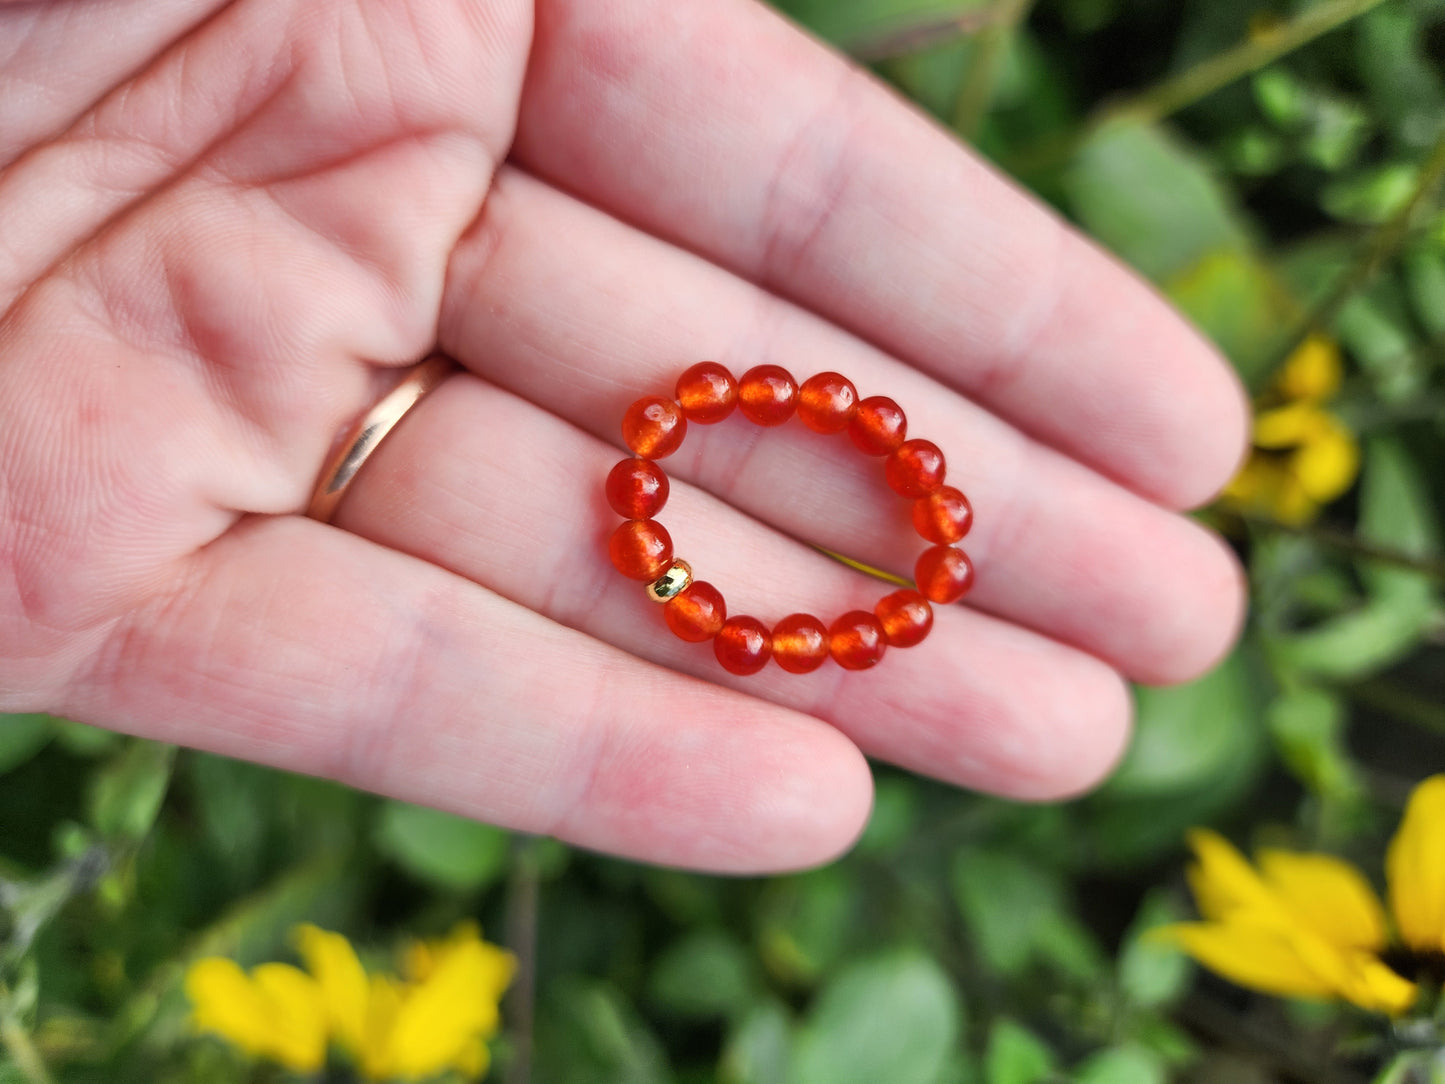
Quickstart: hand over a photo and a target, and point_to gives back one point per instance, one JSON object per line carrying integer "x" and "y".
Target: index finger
{"x": 720, "y": 127}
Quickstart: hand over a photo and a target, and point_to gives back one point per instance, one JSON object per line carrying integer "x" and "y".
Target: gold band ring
{"x": 370, "y": 431}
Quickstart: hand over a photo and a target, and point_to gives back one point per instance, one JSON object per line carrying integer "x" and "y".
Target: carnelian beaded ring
{"x": 767, "y": 395}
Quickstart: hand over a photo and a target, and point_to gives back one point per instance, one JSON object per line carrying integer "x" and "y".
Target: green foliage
{"x": 965, "y": 940}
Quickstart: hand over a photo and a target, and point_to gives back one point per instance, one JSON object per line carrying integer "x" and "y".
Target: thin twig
{"x": 917, "y": 37}
{"x": 1384, "y": 696}
{"x": 522, "y": 901}
{"x": 1198, "y": 82}
{"x": 867, "y": 570}
{"x": 1430, "y": 567}
{"x": 1382, "y": 247}
{"x": 976, "y": 95}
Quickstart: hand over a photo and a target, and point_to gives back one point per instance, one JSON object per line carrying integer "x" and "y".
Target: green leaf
{"x": 759, "y": 1049}
{"x": 1129, "y": 1064}
{"x": 891, "y": 1018}
{"x": 1425, "y": 281}
{"x": 126, "y": 795}
{"x": 1237, "y": 301}
{"x": 1282, "y": 97}
{"x": 1156, "y": 203}
{"x": 85, "y": 741}
{"x": 1188, "y": 735}
{"x": 442, "y": 849}
{"x": 705, "y": 974}
{"x": 1396, "y": 511}
{"x": 588, "y": 1033}
{"x": 1308, "y": 728}
{"x": 1017, "y": 915}
{"x": 1015, "y": 1055}
{"x": 1404, "y": 84}
{"x": 1371, "y": 196}
{"x": 806, "y": 922}
{"x": 1152, "y": 974}
{"x": 21, "y": 737}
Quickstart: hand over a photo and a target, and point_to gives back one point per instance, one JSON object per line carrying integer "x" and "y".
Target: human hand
{"x": 222, "y": 226}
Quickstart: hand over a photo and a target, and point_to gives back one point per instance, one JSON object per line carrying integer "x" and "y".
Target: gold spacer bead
{"x": 671, "y": 583}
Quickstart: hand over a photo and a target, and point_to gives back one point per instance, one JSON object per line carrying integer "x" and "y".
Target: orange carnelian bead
{"x": 943, "y": 516}
{"x": 915, "y": 469}
{"x": 767, "y": 395}
{"x": 742, "y": 645}
{"x": 827, "y": 403}
{"x": 696, "y": 612}
{"x": 878, "y": 426}
{"x": 641, "y": 549}
{"x": 800, "y": 643}
{"x": 654, "y": 427}
{"x": 707, "y": 393}
{"x": 944, "y": 574}
{"x": 857, "y": 641}
{"x": 907, "y": 618}
{"x": 636, "y": 489}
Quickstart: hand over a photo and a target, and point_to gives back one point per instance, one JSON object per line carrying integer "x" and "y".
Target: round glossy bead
{"x": 827, "y": 403}
{"x": 800, "y": 643}
{"x": 696, "y": 613}
{"x": 742, "y": 645}
{"x": 878, "y": 426}
{"x": 637, "y": 489}
{"x": 707, "y": 393}
{"x": 943, "y": 516}
{"x": 641, "y": 549}
{"x": 857, "y": 641}
{"x": 906, "y": 616}
{"x": 653, "y": 427}
{"x": 944, "y": 574}
{"x": 915, "y": 469}
{"x": 767, "y": 395}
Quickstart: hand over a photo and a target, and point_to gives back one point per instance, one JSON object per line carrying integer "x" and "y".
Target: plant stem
{"x": 1198, "y": 82}
{"x": 917, "y": 37}
{"x": 23, "y": 1052}
{"x": 976, "y": 94}
{"x": 1396, "y": 701}
{"x": 522, "y": 903}
{"x": 1246, "y": 58}
{"x": 1431, "y": 567}
{"x": 1383, "y": 245}
{"x": 867, "y": 570}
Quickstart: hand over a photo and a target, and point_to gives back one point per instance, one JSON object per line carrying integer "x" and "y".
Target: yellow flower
{"x": 1303, "y": 455}
{"x": 436, "y": 1017}
{"x": 1310, "y": 925}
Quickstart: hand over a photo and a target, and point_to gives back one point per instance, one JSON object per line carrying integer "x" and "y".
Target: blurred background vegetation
{"x": 1275, "y": 167}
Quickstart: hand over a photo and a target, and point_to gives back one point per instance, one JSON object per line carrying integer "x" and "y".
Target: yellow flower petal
{"x": 1289, "y": 426}
{"x": 224, "y": 1002}
{"x": 442, "y": 1016}
{"x": 332, "y": 960}
{"x": 1329, "y": 895}
{"x": 299, "y": 1031}
{"x": 1415, "y": 869}
{"x": 1292, "y": 964}
{"x": 1260, "y": 957}
{"x": 1326, "y": 464}
{"x": 275, "y": 1013}
{"x": 383, "y": 1004}
{"x": 1313, "y": 371}
{"x": 474, "y": 1061}
{"x": 1225, "y": 883}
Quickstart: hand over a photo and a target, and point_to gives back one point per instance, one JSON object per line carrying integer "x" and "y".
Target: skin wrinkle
{"x": 792, "y": 221}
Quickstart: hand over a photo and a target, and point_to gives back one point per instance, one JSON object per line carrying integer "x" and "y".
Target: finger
{"x": 1058, "y": 548}
{"x": 311, "y": 649}
{"x": 722, "y": 128}
{"x": 504, "y": 493}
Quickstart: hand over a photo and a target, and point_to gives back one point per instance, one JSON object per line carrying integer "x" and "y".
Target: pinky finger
{"x": 310, "y": 649}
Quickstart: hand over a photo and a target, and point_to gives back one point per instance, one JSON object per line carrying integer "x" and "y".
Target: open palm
{"x": 224, "y": 226}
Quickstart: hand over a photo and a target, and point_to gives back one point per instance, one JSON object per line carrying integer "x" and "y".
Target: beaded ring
{"x": 767, "y": 395}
